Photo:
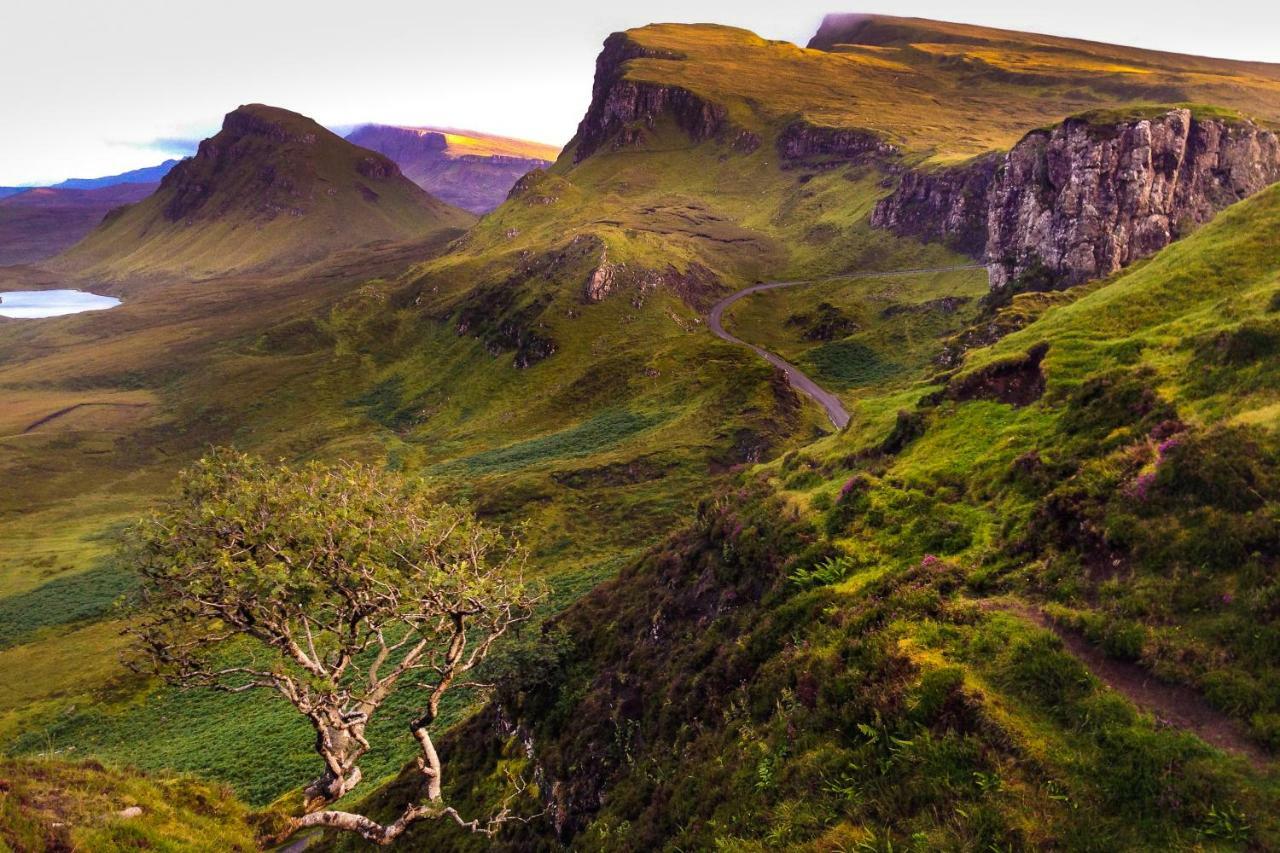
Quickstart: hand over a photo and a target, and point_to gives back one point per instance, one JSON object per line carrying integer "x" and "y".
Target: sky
{"x": 96, "y": 87}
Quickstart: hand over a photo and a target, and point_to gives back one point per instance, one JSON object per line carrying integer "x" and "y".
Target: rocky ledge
{"x": 801, "y": 140}
{"x": 697, "y": 286}
{"x": 1085, "y": 198}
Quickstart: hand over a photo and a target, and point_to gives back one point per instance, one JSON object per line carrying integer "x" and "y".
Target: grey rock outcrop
{"x": 802, "y": 140}
{"x": 1085, "y": 198}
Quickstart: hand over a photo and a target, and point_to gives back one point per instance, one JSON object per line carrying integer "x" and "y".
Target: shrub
{"x": 1040, "y": 668}
{"x": 1105, "y": 403}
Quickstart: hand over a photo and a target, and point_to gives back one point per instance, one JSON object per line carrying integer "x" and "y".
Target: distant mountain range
{"x": 474, "y": 171}
{"x": 37, "y": 223}
{"x": 147, "y": 175}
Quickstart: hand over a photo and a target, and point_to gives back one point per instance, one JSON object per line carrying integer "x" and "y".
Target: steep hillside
{"x": 272, "y": 189}
{"x": 994, "y": 620}
{"x": 39, "y": 223}
{"x": 474, "y": 171}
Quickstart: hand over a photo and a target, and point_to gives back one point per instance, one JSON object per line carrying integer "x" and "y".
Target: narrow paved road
{"x": 830, "y": 402}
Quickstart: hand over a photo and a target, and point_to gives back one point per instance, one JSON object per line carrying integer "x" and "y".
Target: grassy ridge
{"x": 57, "y": 806}
{"x": 921, "y": 83}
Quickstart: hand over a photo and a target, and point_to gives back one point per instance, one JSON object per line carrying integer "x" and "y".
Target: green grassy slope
{"x": 272, "y": 189}
{"x": 51, "y": 806}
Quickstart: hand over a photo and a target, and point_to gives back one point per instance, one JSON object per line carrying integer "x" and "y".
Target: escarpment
{"x": 1087, "y": 197}
{"x": 621, "y": 109}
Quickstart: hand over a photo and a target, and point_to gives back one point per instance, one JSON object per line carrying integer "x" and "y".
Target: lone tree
{"x": 332, "y": 586}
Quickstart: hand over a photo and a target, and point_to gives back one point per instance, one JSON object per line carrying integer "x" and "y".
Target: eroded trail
{"x": 798, "y": 378}
{"x": 1173, "y": 704}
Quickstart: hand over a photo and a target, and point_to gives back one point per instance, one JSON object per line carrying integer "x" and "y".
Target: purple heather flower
{"x": 1141, "y": 485}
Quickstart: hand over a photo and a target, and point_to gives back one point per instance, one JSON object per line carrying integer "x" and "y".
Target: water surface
{"x": 31, "y": 304}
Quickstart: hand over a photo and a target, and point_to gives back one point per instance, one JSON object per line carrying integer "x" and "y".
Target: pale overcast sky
{"x": 86, "y": 86}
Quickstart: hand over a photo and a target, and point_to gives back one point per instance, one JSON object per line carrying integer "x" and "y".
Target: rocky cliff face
{"x": 622, "y": 109}
{"x": 1081, "y": 200}
{"x": 949, "y": 205}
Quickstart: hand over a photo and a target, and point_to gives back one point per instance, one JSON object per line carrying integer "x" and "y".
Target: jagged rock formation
{"x": 471, "y": 170}
{"x": 1087, "y": 197}
{"x": 601, "y": 280}
{"x": 621, "y": 109}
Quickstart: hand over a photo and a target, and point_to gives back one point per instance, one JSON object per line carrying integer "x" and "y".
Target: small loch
{"x": 34, "y": 304}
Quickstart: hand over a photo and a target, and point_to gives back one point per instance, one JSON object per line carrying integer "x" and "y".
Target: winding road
{"x": 799, "y": 380}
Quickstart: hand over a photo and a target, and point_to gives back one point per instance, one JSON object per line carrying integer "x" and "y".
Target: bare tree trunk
{"x": 429, "y": 761}
{"x": 430, "y": 767}
{"x": 340, "y": 742}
